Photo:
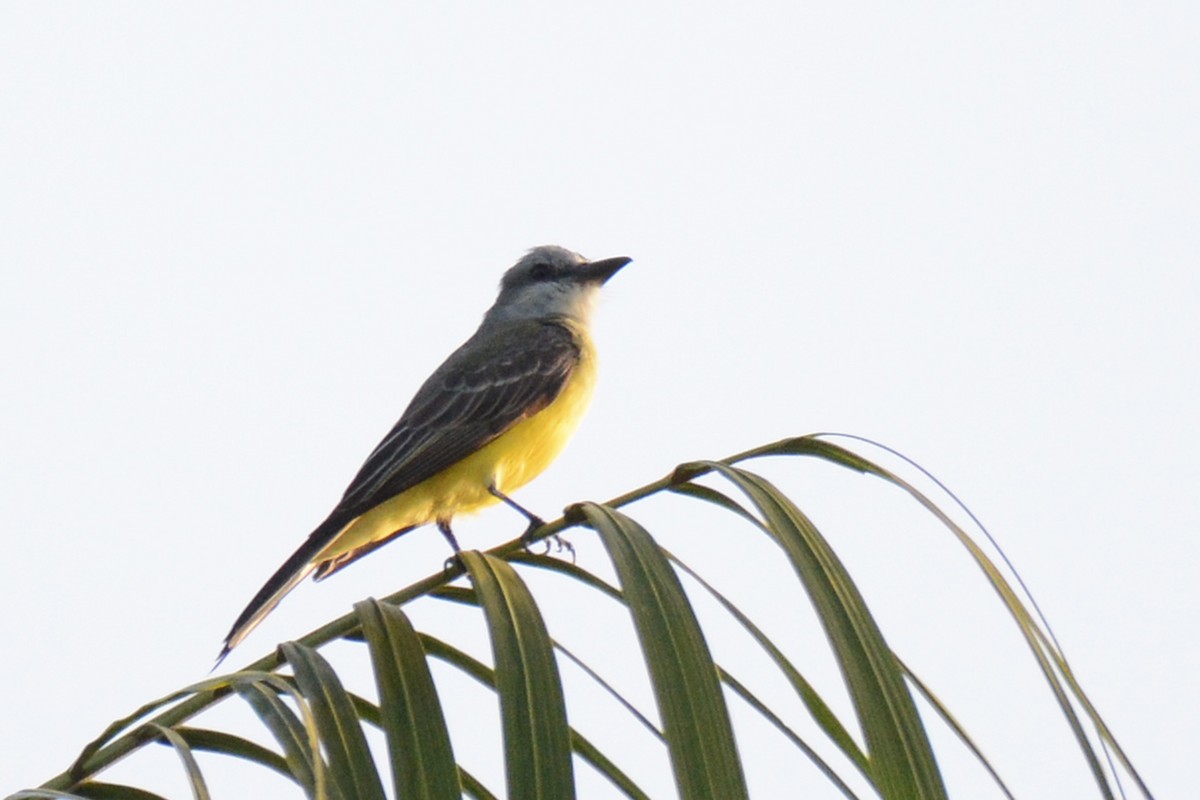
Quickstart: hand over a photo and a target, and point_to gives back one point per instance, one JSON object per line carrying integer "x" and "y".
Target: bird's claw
{"x": 553, "y": 541}
{"x": 561, "y": 544}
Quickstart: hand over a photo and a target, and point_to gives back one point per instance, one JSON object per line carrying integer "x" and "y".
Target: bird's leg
{"x": 443, "y": 525}
{"x": 535, "y": 522}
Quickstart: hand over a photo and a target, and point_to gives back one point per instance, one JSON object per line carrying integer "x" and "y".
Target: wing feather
{"x": 483, "y": 389}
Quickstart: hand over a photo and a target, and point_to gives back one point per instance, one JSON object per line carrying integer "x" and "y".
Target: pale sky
{"x": 238, "y": 236}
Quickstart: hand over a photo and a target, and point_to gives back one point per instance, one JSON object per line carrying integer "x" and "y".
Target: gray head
{"x": 553, "y": 281}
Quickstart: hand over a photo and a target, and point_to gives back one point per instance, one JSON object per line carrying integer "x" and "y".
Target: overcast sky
{"x": 237, "y": 237}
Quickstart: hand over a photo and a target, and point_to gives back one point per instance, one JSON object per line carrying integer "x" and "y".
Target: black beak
{"x": 601, "y": 271}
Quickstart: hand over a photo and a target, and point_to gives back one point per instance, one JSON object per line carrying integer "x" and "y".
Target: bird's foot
{"x": 535, "y": 525}
{"x": 561, "y": 544}
{"x": 558, "y": 543}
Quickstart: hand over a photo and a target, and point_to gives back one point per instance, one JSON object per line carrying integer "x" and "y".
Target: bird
{"x": 491, "y": 418}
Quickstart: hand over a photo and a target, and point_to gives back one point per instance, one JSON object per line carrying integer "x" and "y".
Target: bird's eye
{"x": 541, "y": 271}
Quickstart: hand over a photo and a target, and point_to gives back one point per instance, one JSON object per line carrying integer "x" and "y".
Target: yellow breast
{"x": 526, "y": 449}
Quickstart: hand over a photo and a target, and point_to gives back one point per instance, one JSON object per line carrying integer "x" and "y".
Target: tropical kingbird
{"x": 485, "y": 423}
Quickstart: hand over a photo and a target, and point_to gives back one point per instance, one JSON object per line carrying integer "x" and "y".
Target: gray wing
{"x": 483, "y": 389}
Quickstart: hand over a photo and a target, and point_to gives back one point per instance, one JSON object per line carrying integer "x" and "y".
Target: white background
{"x": 234, "y": 238}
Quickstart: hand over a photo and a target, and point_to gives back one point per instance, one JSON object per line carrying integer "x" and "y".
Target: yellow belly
{"x": 508, "y": 462}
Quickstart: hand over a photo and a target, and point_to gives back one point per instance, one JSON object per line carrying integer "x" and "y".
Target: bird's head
{"x": 552, "y": 281}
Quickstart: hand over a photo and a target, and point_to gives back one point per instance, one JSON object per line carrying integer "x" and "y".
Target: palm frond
{"x": 319, "y": 731}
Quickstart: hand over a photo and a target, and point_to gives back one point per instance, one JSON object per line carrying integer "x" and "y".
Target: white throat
{"x": 575, "y": 301}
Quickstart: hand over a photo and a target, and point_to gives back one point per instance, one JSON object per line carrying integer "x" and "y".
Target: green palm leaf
{"x": 536, "y": 738}
{"x": 423, "y": 765}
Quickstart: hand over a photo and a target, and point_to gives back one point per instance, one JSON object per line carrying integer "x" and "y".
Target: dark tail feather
{"x": 287, "y": 577}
